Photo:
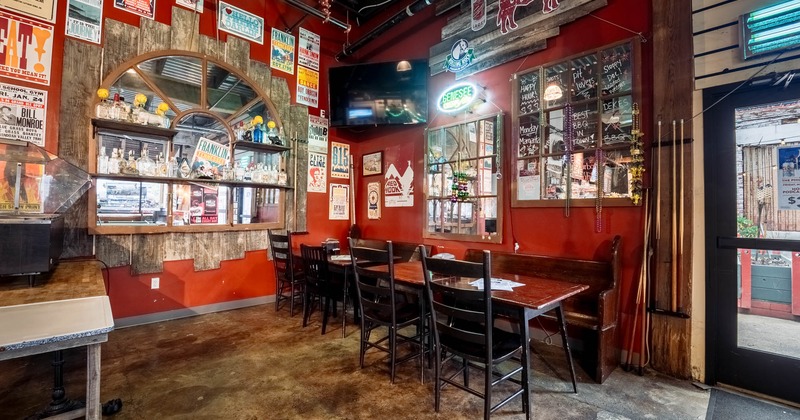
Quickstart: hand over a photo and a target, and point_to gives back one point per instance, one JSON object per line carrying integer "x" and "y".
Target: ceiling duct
{"x": 411, "y": 10}
{"x": 318, "y": 13}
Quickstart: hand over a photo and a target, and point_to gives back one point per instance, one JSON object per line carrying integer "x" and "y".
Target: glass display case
{"x": 36, "y": 188}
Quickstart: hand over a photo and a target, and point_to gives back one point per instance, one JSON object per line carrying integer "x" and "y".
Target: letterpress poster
{"x": 282, "y": 51}
{"x": 317, "y": 163}
{"x": 307, "y": 87}
{"x": 30, "y": 58}
{"x": 41, "y": 9}
{"x": 374, "y": 200}
{"x": 340, "y": 160}
{"x": 85, "y": 20}
{"x": 22, "y": 113}
{"x": 241, "y": 23}
{"x": 144, "y": 8}
{"x": 308, "y": 50}
{"x": 196, "y": 5}
{"x": 339, "y": 203}
{"x": 317, "y": 134}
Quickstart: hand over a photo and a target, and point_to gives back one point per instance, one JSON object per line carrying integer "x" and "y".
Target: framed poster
{"x": 282, "y": 52}
{"x": 339, "y": 202}
{"x": 374, "y": 200}
{"x": 40, "y": 9}
{"x": 340, "y": 160}
{"x": 241, "y": 23}
{"x": 372, "y": 164}
{"x": 85, "y": 20}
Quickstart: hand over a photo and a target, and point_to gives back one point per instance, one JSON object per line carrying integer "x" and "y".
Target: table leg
{"x": 344, "y": 303}
{"x": 562, "y": 325}
{"x": 93, "y": 408}
{"x": 525, "y": 331}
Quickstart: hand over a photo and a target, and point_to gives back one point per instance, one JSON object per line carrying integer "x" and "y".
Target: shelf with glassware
{"x": 152, "y": 194}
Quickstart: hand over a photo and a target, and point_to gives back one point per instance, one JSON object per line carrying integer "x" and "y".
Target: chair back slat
{"x": 376, "y": 291}
{"x": 315, "y": 266}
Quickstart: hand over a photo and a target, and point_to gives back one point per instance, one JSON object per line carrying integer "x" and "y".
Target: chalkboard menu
{"x": 529, "y": 100}
{"x": 617, "y": 119}
{"x": 598, "y": 86}
{"x": 556, "y": 79}
{"x": 529, "y": 136}
{"x": 584, "y": 78}
{"x": 616, "y": 69}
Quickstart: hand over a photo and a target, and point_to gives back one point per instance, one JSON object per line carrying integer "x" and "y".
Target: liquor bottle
{"x": 103, "y": 109}
{"x": 238, "y": 172}
{"x": 125, "y": 113}
{"x": 113, "y": 162}
{"x": 115, "y": 113}
{"x": 102, "y": 162}
{"x": 146, "y": 165}
{"x": 283, "y": 178}
{"x": 258, "y": 134}
{"x": 161, "y": 165}
{"x": 131, "y": 163}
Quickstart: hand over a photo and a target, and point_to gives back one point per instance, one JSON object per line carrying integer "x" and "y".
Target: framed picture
{"x": 372, "y": 164}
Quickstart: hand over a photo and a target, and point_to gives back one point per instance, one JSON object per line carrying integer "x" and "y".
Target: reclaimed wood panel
{"x": 298, "y": 129}
{"x": 211, "y": 46}
{"x": 147, "y": 253}
{"x": 734, "y": 75}
{"x": 256, "y": 240}
{"x": 261, "y": 76}
{"x": 205, "y": 251}
{"x": 121, "y": 44}
{"x": 185, "y": 34}
{"x": 672, "y": 100}
{"x": 153, "y": 36}
{"x": 723, "y": 13}
{"x": 80, "y": 77}
{"x": 179, "y": 246}
{"x": 281, "y": 98}
{"x": 232, "y": 245}
{"x": 722, "y": 38}
{"x": 237, "y": 53}
{"x": 114, "y": 250}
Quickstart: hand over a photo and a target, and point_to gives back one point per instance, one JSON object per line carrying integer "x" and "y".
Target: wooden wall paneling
{"x": 296, "y": 217}
{"x": 206, "y": 251}
{"x": 232, "y": 245}
{"x": 261, "y": 75}
{"x": 256, "y": 240}
{"x": 153, "y": 36}
{"x": 178, "y": 246}
{"x": 672, "y": 100}
{"x": 237, "y": 53}
{"x": 718, "y": 39}
{"x": 211, "y": 46}
{"x": 147, "y": 253}
{"x": 281, "y": 98}
{"x": 185, "y": 34}
{"x": 734, "y": 75}
{"x": 443, "y": 6}
{"x": 722, "y": 13}
{"x": 121, "y": 44}
{"x": 79, "y": 82}
{"x": 114, "y": 250}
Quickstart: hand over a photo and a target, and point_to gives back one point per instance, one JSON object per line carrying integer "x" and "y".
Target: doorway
{"x": 752, "y": 185}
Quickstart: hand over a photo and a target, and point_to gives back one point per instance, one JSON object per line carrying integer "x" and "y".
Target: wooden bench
{"x": 592, "y": 314}
{"x": 403, "y": 251}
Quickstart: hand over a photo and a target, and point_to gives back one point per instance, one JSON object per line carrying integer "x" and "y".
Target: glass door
{"x": 752, "y": 185}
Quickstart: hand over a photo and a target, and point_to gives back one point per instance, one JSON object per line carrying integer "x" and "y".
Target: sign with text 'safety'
{"x": 241, "y": 23}
{"x": 281, "y": 55}
{"x": 85, "y": 20}
{"x": 31, "y": 58}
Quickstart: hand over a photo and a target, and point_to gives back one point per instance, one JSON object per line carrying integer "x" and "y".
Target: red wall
{"x": 537, "y": 230}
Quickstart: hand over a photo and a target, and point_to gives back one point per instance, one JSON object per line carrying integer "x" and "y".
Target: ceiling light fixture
{"x": 553, "y": 92}
{"x": 403, "y": 65}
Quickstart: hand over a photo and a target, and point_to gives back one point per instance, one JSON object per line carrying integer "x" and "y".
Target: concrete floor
{"x": 255, "y": 364}
{"x": 774, "y": 335}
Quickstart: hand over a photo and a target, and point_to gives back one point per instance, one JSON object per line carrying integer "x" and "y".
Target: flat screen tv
{"x": 378, "y": 94}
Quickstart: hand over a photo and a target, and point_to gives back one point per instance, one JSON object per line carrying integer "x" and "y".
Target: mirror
{"x": 226, "y": 92}
{"x": 177, "y": 77}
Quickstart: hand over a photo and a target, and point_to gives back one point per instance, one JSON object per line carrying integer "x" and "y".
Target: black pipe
{"x": 385, "y": 26}
{"x": 318, "y": 13}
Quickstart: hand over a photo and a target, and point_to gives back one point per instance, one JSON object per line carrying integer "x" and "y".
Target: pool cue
{"x": 682, "y": 216}
{"x": 674, "y": 282}
{"x": 294, "y": 179}
{"x": 658, "y": 183}
{"x": 642, "y": 272}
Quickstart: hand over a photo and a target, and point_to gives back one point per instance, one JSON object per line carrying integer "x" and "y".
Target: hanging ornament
{"x": 637, "y": 157}
{"x": 568, "y": 140}
{"x": 600, "y": 160}
{"x": 326, "y": 8}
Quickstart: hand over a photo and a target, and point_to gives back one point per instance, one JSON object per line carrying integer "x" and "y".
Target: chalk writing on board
{"x": 584, "y": 125}
{"x": 617, "y": 119}
{"x": 584, "y": 78}
{"x": 529, "y": 93}
{"x": 617, "y": 69}
{"x": 529, "y": 137}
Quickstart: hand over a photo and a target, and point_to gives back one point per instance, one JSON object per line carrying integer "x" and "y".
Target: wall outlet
{"x": 155, "y": 282}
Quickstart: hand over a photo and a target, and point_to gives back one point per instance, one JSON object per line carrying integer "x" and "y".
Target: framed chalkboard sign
{"x": 560, "y": 158}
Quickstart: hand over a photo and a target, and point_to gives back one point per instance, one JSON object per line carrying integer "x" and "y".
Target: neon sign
{"x": 457, "y": 97}
{"x": 771, "y": 29}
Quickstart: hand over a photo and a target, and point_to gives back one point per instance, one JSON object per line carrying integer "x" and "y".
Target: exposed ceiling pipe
{"x": 316, "y": 12}
{"x": 412, "y": 9}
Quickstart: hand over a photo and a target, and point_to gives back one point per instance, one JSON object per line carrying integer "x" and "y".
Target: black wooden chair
{"x": 320, "y": 286}
{"x": 289, "y": 279}
{"x": 382, "y": 305}
{"x": 463, "y": 327}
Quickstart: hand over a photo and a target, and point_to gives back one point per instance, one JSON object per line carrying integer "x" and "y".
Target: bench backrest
{"x": 403, "y": 251}
{"x": 600, "y": 276}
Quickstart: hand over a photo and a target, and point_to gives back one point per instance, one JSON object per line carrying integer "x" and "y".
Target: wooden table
{"x": 68, "y": 308}
{"x": 534, "y": 298}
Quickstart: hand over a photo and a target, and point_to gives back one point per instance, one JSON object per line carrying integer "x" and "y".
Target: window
{"x": 462, "y": 167}
{"x": 573, "y": 124}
